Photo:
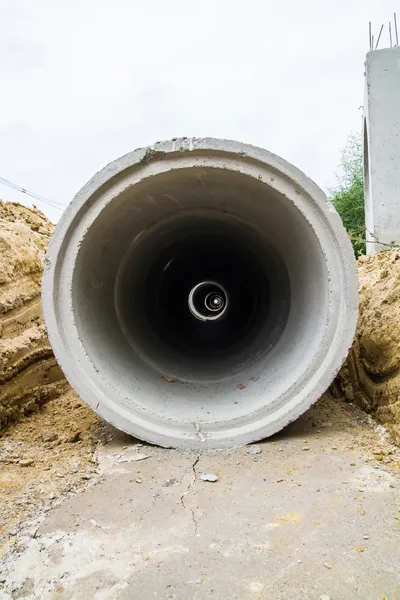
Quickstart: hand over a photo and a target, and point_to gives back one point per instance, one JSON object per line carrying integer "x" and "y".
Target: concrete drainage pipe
{"x": 200, "y": 293}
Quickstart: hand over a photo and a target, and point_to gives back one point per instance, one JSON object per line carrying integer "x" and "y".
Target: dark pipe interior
{"x": 184, "y": 263}
{"x": 159, "y": 273}
{"x": 138, "y": 262}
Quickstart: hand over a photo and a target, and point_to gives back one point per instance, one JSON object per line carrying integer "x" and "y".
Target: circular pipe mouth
{"x": 208, "y": 301}
{"x": 200, "y": 293}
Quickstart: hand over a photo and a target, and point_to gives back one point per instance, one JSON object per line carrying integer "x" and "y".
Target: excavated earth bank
{"x": 29, "y": 374}
{"x": 371, "y": 374}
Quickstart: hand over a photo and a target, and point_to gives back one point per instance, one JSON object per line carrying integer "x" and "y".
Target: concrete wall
{"x": 382, "y": 148}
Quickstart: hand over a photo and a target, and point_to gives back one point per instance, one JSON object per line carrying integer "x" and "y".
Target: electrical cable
{"x": 38, "y": 197}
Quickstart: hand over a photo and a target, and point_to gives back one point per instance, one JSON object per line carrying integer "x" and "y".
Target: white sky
{"x": 85, "y": 81}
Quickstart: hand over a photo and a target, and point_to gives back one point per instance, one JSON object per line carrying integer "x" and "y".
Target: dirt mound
{"x": 29, "y": 374}
{"x": 371, "y": 375}
{"x": 47, "y": 456}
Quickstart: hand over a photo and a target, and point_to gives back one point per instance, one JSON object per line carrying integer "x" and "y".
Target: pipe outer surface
{"x": 146, "y": 230}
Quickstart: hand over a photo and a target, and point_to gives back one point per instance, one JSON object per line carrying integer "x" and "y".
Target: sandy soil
{"x": 46, "y": 457}
{"x": 371, "y": 374}
{"x": 29, "y": 374}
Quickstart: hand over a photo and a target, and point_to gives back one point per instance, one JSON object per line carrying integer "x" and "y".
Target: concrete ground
{"x": 314, "y": 515}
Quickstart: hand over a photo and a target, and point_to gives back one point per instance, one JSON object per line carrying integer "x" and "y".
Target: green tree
{"x": 348, "y": 196}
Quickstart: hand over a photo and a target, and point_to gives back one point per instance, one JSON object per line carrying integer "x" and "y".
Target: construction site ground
{"x": 89, "y": 513}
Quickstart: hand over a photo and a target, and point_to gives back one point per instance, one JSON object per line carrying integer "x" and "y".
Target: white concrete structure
{"x": 382, "y": 148}
{"x": 278, "y": 277}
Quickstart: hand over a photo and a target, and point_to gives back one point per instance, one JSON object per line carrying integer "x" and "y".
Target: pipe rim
{"x": 81, "y": 372}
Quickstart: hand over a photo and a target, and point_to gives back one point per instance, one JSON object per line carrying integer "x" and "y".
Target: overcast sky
{"x": 85, "y": 81}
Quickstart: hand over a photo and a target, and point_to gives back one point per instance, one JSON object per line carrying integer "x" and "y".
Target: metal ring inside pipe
{"x": 199, "y": 307}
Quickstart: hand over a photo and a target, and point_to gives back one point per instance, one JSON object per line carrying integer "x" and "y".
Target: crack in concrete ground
{"x": 187, "y": 492}
{"x": 261, "y": 531}
{"x": 147, "y": 510}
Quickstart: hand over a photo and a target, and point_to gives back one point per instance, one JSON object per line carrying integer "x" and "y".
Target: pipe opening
{"x": 240, "y": 234}
{"x": 207, "y": 301}
{"x": 173, "y": 305}
{"x": 160, "y": 273}
{"x": 200, "y": 295}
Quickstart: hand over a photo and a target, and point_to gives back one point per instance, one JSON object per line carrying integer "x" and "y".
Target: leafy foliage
{"x": 348, "y": 196}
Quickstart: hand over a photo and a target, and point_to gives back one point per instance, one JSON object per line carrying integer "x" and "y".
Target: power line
{"x": 43, "y": 199}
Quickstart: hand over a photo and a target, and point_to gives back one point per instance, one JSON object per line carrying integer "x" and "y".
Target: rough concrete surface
{"x": 382, "y": 148}
{"x": 315, "y": 514}
{"x": 29, "y": 374}
{"x": 120, "y": 268}
{"x": 371, "y": 374}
